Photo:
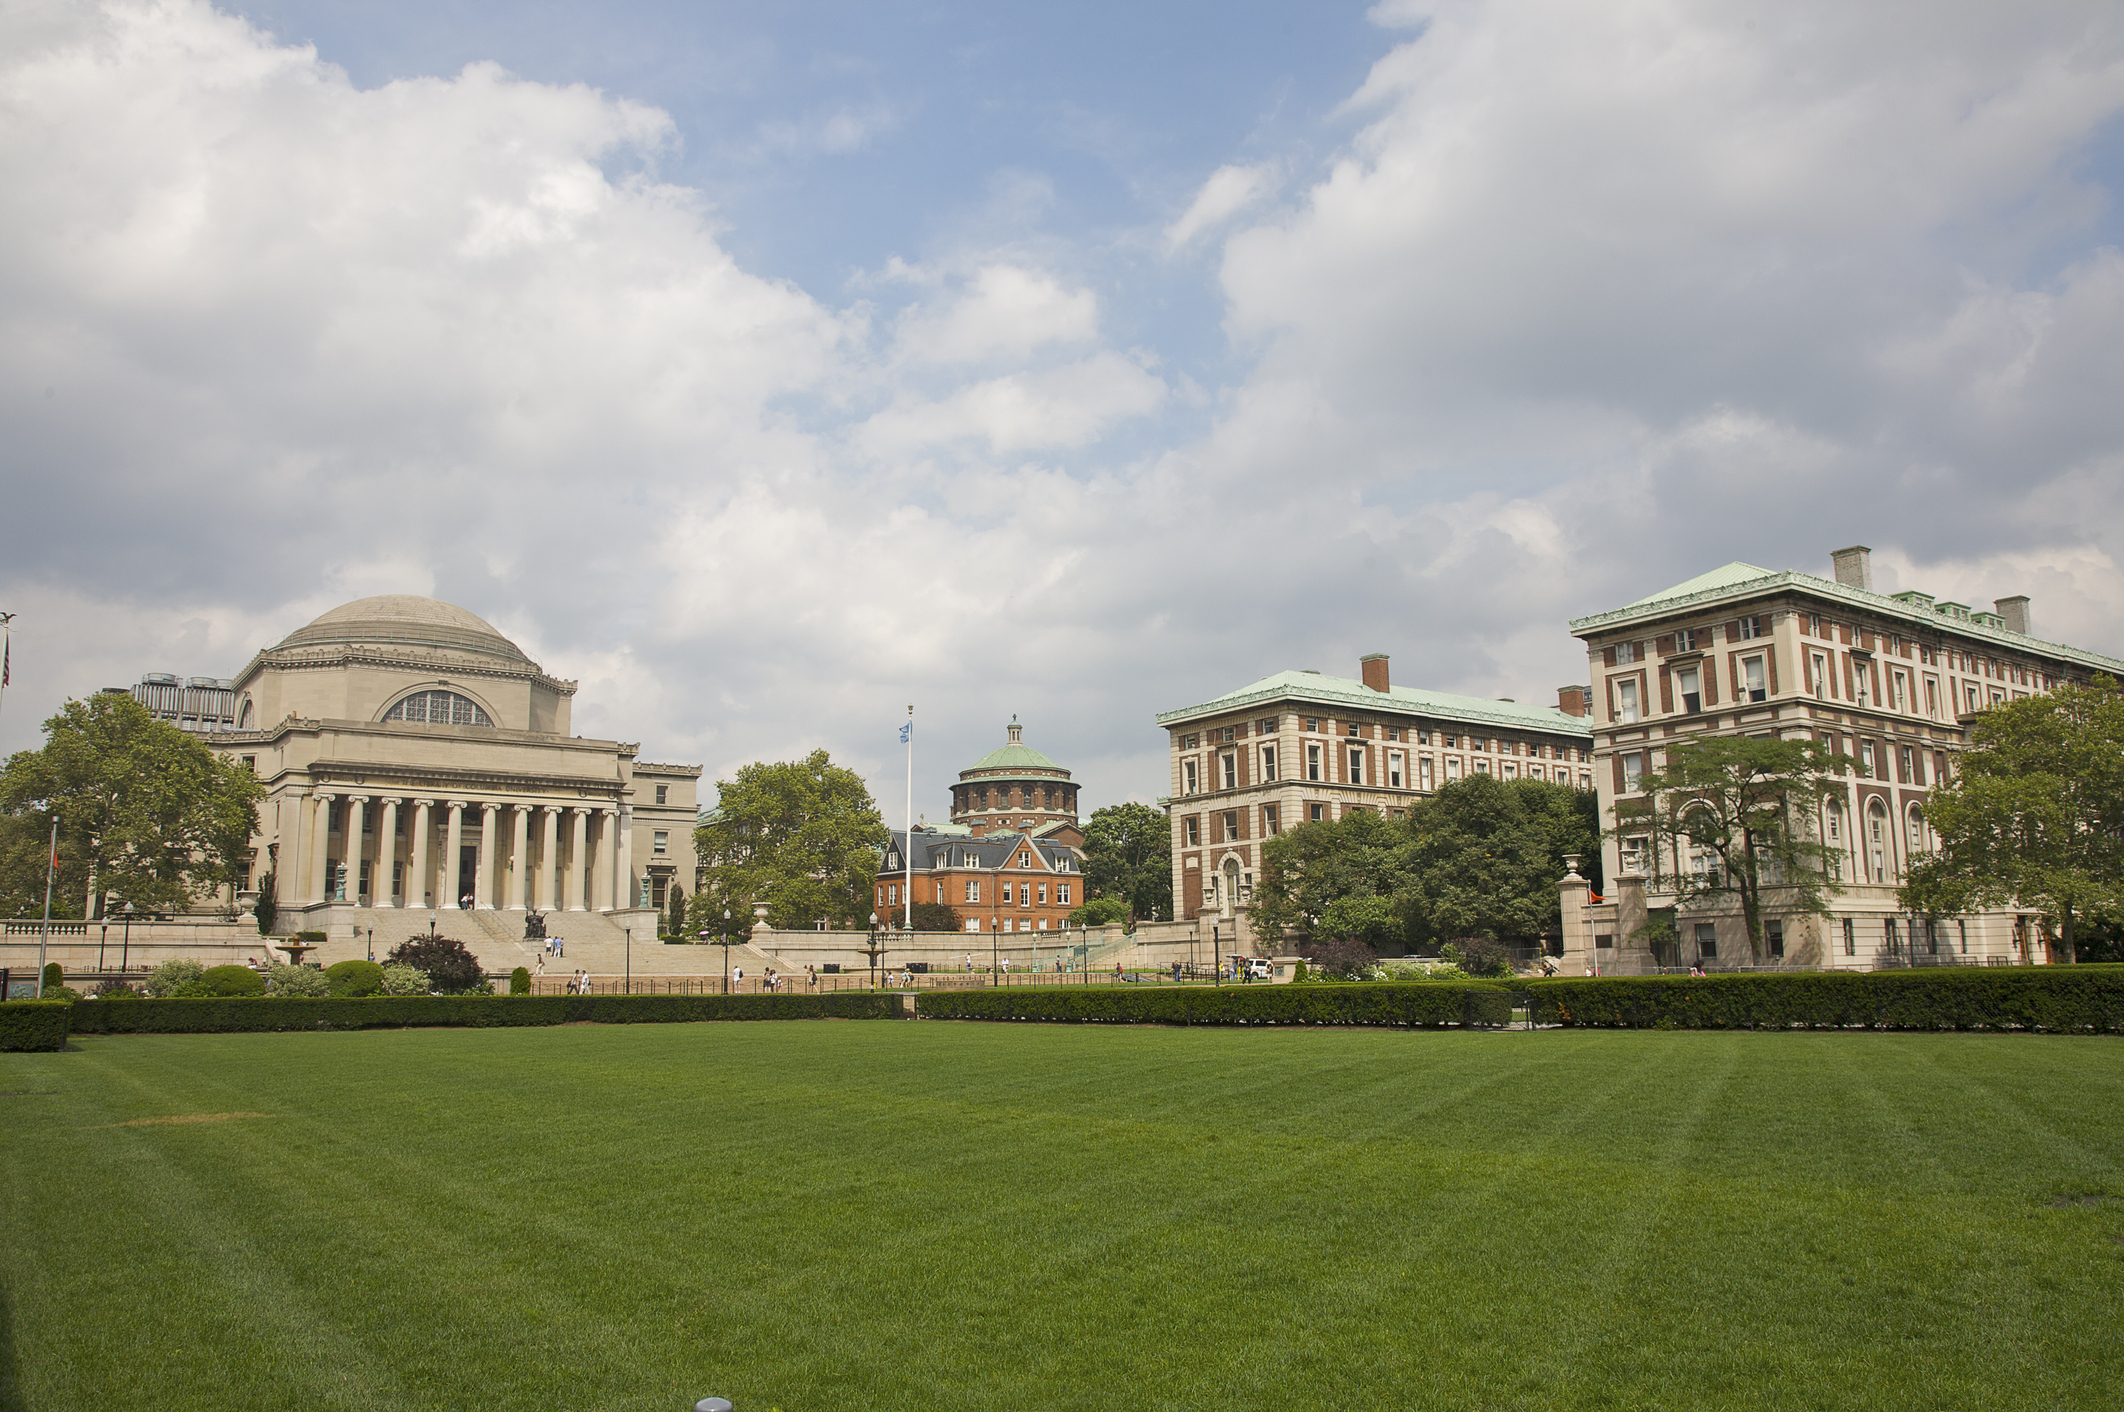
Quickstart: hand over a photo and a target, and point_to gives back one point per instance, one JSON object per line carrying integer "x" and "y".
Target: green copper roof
{"x": 1014, "y": 757}
{"x": 1346, "y": 691}
{"x": 1724, "y": 577}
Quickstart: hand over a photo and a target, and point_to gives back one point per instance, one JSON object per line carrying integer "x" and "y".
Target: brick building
{"x": 1010, "y": 860}
{"x": 1300, "y": 746}
{"x": 1892, "y": 680}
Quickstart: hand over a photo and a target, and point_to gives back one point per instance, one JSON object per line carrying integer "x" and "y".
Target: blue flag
{"x": 906, "y": 731}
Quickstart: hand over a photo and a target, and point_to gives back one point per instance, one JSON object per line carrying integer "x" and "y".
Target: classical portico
{"x": 414, "y": 758}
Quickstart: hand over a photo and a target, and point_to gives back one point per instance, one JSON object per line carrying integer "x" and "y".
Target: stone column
{"x": 483, "y": 875}
{"x": 320, "y": 846}
{"x": 1574, "y": 894}
{"x": 446, "y": 893}
{"x": 623, "y": 857}
{"x": 548, "y": 858}
{"x": 386, "y": 853}
{"x": 417, "y": 864}
{"x": 357, "y": 806}
{"x": 608, "y": 876}
{"x": 578, "y": 857}
{"x": 520, "y": 857}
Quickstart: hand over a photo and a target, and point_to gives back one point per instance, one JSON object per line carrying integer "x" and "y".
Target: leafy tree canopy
{"x": 2034, "y": 816}
{"x": 1742, "y": 812}
{"x": 1100, "y": 912}
{"x": 936, "y": 917}
{"x": 1481, "y": 857}
{"x": 1128, "y": 856}
{"x": 802, "y": 836}
{"x": 447, "y": 963}
{"x": 147, "y": 814}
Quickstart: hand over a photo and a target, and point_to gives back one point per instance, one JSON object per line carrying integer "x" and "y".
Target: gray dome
{"x": 405, "y": 620}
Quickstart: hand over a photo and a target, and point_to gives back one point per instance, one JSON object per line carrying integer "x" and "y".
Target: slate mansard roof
{"x": 940, "y": 852}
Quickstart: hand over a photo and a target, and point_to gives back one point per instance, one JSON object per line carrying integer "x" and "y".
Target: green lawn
{"x": 857, "y": 1215}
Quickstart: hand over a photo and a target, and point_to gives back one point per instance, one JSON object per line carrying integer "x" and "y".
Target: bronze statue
{"x": 535, "y": 926}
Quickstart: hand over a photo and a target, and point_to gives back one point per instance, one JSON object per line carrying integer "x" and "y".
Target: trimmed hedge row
{"x": 239, "y": 1016}
{"x": 28, "y": 1025}
{"x": 2052, "y": 999}
{"x": 1422, "y": 1005}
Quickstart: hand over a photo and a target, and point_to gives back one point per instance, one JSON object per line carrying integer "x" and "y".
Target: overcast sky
{"x": 768, "y": 368}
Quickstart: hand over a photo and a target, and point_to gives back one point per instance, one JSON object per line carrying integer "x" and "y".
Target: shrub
{"x": 1477, "y": 955}
{"x": 270, "y": 1013}
{"x": 171, "y": 976}
{"x": 2058, "y": 999}
{"x": 54, "y": 976}
{"x": 268, "y": 905}
{"x": 1342, "y": 959}
{"x": 115, "y": 990}
{"x": 284, "y": 979}
{"x": 402, "y": 980}
{"x": 520, "y": 981}
{"x": 351, "y": 980}
{"x": 31, "y": 1025}
{"x": 451, "y": 969}
{"x": 1100, "y": 912}
{"x": 1422, "y": 971}
{"x": 1426, "y": 1006}
{"x": 232, "y": 981}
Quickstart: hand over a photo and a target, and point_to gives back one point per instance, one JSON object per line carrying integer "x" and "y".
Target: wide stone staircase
{"x": 590, "y": 941}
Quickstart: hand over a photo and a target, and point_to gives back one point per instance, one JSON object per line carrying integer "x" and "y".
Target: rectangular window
{"x": 1774, "y": 939}
{"x": 1628, "y": 652}
{"x": 660, "y": 842}
{"x": 892, "y": 893}
{"x": 1312, "y": 762}
{"x": 1932, "y": 697}
{"x": 1269, "y": 824}
{"x": 1312, "y": 723}
{"x": 1753, "y": 682}
{"x": 1193, "y": 827}
{"x": 1231, "y": 826}
{"x": 1860, "y": 685}
{"x": 1007, "y": 891}
{"x": 1423, "y": 768}
{"x": 1356, "y": 775}
{"x": 1316, "y": 812}
{"x": 1452, "y": 768}
{"x": 1352, "y": 729}
{"x": 1396, "y": 770}
{"x": 1043, "y": 894}
{"x": 1268, "y": 762}
{"x": 1687, "y": 681}
{"x": 1910, "y": 767}
{"x": 1970, "y": 692}
{"x": 663, "y": 794}
{"x": 973, "y": 924}
{"x": 1188, "y": 781}
{"x": 1189, "y": 742}
{"x": 1691, "y": 639}
{"x": 1633, "y": 770}
{"x": 1850, "y": 938}
{"x": 1625, "y": 702}
{"x": 1265, "y": 726}
{"x": 1482, "y": 767}
{"x": 1899, "y": 689}
{"x": 1866, "y": 758}
{"x": 1751, "y": 627}
{"x": 973, "y": 889}
{"x": 1585, "y": 779}
{"x": 1707, "y": 940}
{"x": 1062, "y": 894}
{"x": 1229, "y": 760}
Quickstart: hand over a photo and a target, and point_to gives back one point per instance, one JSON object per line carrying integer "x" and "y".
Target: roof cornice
{"x": 1792, "y": 581}
{"x": 295, "y": 659}
{"x": 1365, "y": 698}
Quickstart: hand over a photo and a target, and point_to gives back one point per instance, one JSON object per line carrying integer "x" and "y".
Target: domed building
{"x": 1014, "y": 788}
{"x": 415, "y": 758}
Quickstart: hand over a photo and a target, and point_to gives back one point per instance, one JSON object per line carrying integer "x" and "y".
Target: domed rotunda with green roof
{"x": 1013, "y": 787}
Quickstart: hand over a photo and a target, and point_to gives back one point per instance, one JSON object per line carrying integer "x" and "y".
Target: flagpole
{"x": 44, "y": 939}
{"x": 7, "y": 653}
{"x": 907, "y": 856}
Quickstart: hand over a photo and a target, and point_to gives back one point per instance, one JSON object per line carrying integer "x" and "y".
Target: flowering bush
{"x": 404, "y": 980}
{"x": 284, "y": 979}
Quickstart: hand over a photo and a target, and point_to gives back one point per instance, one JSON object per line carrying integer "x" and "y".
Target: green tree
{"x": 1486, "y": 856}
{"x": 1128, "y": 856}
{"x": 1100, "y": 912}
{"x": 1334, "y": 880}
{"x": 145, "y": 810}
{"x": 676, "y": 903}
{"x": 1741, "y": 810}
{"x": 802, "y": 836}
{"x": 936, "y": 917}
{"x": 268, "y": 904}
{"x": 448, "y": 964}
{"x": 2034, "y": 816}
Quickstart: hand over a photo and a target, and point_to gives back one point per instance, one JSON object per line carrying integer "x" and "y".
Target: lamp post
{"x": 372, "y": 943}
{"x": 874, "y": 951}
{"x": 125, "y": 956}
{"x": 995, "y": 949}
{"x": 630, "y": 960}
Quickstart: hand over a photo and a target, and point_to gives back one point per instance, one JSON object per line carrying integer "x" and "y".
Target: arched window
{"x": 247, "y": 718}
{"x": 1877, "y": 829}
{"x": 439, "y": 708}
{"x": 1917, "y": 830}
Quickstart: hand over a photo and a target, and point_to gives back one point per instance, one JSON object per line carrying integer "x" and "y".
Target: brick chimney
{"x": 2015, "y": 611}
{"x": 1374, "y": 667}
{"x": 1854, "y": 566}
{"x": 1575, "y": 700}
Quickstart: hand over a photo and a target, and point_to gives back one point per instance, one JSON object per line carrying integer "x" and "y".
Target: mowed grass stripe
{"x": 970, "y": 1216}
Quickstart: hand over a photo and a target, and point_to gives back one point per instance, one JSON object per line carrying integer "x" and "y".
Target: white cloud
{"x": 1229, "y": 191}
{"x": 1065, "y": 406}
{"x": 1003, "y": 310}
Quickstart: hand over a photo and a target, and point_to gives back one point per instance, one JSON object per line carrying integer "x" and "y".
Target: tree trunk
{"x": 2065, "y": 943}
